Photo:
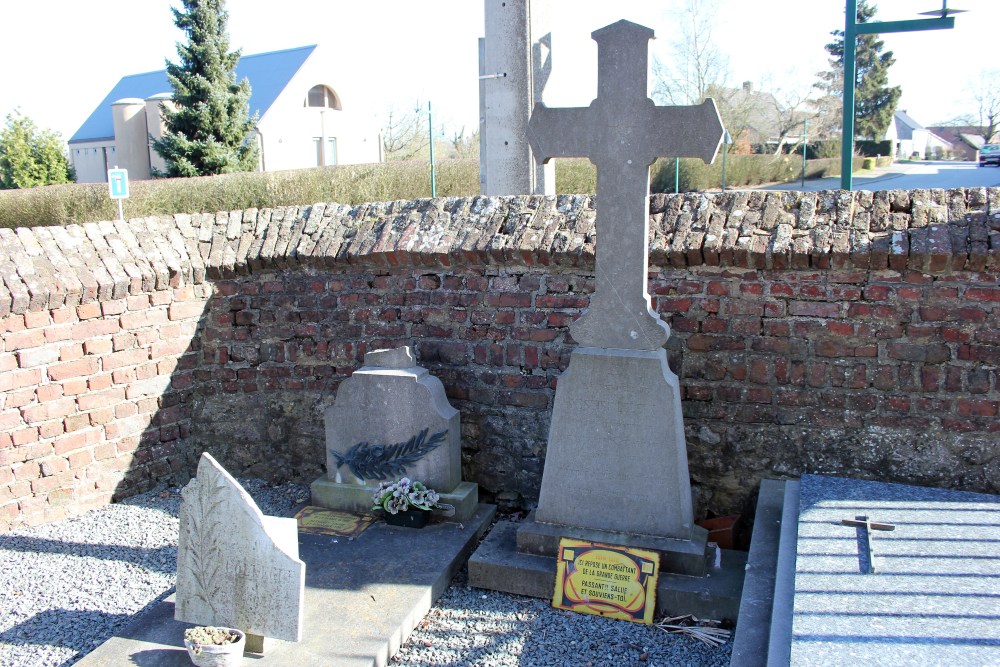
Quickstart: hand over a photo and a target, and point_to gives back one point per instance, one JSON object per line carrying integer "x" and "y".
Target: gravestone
{"x": 616, "y": 464}
{"x": 392, "y": 419}
{"x": 236, "y": 567}
{"x": 616, "y": 460}
{"x": 860, "y": 572}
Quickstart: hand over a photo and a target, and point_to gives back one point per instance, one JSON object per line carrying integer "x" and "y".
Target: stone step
{"x": 363, "y": 597}
{"x": 498, "y": 565}
{"x": 763, "y": 633}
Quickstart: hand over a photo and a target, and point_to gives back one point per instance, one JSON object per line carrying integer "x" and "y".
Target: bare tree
{"x": 986, "y": 95}
{"x": 697, "y": 64}
{"x": 789, "y": 110}
{"x": 463, "y": 146}
{"x": 403, "y": 135}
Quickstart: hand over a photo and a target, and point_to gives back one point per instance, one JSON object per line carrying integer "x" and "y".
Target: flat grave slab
{"x": 363, "y": 597}
{"x": 925, "y": 591}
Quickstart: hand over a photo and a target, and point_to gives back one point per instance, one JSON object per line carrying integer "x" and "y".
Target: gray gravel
{"x": 67, "y": 587}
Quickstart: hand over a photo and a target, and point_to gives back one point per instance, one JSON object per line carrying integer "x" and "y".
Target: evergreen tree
{"x": 874, "y": 100}
{"x": 30, "y": 157}
{"x": 210, "y": 132}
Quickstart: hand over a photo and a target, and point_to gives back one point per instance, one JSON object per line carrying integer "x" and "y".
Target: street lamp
{"x": 851, "y": 31}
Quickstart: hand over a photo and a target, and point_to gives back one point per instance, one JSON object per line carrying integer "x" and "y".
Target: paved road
{"x": 908, "y": 176}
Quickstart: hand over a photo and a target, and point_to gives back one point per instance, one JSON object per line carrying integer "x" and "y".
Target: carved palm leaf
{"x": 381, "y": 462}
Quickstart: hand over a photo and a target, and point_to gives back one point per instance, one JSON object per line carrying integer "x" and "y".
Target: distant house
{"x": 303, "y": 120}
{"x": 910, "y": 139}
{"x": 966, "y": 139}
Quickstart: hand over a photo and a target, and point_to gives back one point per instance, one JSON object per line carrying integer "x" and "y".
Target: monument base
{"x": 498, "y": 565}
{"x": 355, "y": 498}
{"x": 692, "y": 557}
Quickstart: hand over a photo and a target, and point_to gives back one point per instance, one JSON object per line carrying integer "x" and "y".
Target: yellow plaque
{"x": 606, "y": 580}
{"x": 322, "y": 521}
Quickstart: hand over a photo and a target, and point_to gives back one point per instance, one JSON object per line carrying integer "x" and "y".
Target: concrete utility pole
{"x": 514, "y": 65}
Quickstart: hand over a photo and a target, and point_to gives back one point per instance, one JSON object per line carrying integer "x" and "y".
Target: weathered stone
{"x": 623, "y": 132}
{"x": 235, "y": 566}
{"x": 391, "y": 419}
{"x": 616, "y": 458}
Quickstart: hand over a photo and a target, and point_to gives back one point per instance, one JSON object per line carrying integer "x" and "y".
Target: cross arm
{"x": 560, "y": 132}
{"x": 687, "y": 131}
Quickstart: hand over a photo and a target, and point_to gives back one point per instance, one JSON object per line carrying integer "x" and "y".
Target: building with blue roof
{"x": 302, "y": 119}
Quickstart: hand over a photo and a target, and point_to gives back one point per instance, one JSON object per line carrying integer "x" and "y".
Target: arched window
{"x": 323, "y": 97}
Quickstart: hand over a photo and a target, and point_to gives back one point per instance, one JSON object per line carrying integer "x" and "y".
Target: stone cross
{"x": 623, "y": 132}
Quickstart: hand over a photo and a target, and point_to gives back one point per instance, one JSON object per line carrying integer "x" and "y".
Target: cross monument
{"x": 623, "y": 132}
{"x": 616, "y": 464}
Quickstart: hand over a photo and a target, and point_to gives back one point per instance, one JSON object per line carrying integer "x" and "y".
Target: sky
{"x": 67, "y": 54}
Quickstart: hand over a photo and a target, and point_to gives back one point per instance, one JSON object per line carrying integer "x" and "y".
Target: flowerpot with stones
{"x": 413, "y": 518}
{"x": 210, "y": 646}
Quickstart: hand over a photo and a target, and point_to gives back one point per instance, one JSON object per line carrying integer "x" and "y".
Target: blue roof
{"x": 268, "y": 73}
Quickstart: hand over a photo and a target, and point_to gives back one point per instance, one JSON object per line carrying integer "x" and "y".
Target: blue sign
{"x": 118, "y": 183}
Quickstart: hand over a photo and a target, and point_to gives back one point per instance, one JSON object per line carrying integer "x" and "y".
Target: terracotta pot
{"x": 411, "y": 518}
{"x": 722, "y": 529}
{"x": 218, "y": 655}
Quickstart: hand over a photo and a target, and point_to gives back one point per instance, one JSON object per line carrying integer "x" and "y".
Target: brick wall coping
{"x": 932, "y": 231}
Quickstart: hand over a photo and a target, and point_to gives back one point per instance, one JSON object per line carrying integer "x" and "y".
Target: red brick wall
{"x": 841, "y": 333}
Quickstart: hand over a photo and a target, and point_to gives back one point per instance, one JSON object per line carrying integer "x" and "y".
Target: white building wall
{"x": 289, "y": 129}
{"x": 92, "y": 159}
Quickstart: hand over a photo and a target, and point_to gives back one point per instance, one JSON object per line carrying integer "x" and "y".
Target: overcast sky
{"x": 61, "y": 57}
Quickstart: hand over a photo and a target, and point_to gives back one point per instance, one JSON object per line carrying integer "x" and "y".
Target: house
{"x": 304, "y": 121}
{"x": 966, "y": 140}
{"x": 911, "y": 139}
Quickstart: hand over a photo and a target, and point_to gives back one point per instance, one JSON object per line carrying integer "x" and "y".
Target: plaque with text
{"x": 605, "y": 580}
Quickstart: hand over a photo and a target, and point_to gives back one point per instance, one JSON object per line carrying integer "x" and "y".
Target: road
{"x": 907, "y": 176}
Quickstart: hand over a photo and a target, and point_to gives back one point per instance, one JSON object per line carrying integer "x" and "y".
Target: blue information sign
{"x": 118, "y": 183}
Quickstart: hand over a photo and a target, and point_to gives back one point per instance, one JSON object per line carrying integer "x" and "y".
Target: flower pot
{"x": 218, "y": 655}
{"x": 722, "y": 529}
{"x": 412, "y": 518}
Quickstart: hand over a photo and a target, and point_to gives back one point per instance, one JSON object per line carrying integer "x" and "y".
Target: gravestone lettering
{"x": 623, "y": 132}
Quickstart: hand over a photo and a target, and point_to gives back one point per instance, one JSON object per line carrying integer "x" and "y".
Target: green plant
{"x": 208, "y": 128}
{"x": 868, "y": 164}
{"x": 30, "y": 157}
{"x": 404, "y": 494}
{"x": 208, "y": 635}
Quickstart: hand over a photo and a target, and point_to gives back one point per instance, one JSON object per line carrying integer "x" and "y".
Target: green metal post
{"x": 430, "y": 126}
{"x": 677, "y": 175}
{"x": 805, "y": 134}
{"x": 725, "y": 149}
{"x": 850, "y": 70}
{"x": 851, "y": 31}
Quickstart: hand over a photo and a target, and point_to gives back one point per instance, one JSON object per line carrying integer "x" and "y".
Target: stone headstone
{"x": 925, "y": 592}
{"x": 392, "y": 419}
{"x": 236, "y": 567}
{"x": 616, "y": 460}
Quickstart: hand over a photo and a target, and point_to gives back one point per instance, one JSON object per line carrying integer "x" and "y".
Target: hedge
{"x": 355, "y": 184}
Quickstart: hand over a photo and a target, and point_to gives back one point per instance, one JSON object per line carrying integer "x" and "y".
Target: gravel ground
{"x": 67, "y": 587}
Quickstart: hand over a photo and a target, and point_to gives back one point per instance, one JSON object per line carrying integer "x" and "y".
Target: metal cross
{"x": 868, "y": 526}
{"x": 623, "y": 132}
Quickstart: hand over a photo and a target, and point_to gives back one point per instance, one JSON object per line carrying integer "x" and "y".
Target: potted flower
{"x": 209, "y": 646}
{"x": 405, "y": 502}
